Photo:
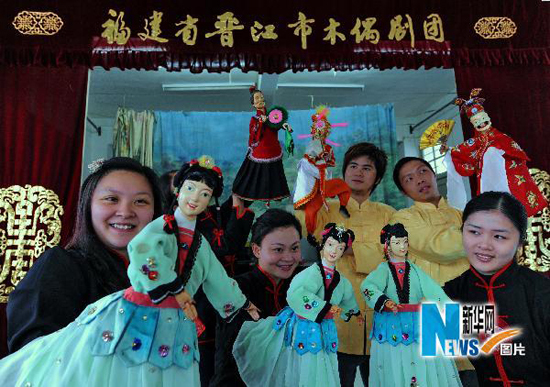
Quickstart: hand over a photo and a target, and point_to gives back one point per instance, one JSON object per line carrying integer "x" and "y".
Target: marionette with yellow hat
{"x": 314, "y": 181}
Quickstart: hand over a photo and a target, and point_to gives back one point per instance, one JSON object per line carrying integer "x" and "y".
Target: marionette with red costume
{"x": 497, "y": 161}
{"x": 314, "y": 183}
{"x": 262, "y": 176}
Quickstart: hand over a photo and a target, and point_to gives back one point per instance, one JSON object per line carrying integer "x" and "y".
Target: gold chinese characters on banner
{"x": 495, "y": 27}
{"x": 37, "y": 23}
{"x": 30, "y": 222}
{"x": 228, "y": 26}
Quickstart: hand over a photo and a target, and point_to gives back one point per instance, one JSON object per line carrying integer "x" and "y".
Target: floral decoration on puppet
{"x": 497, "y": 161}
{"x": 261, "y": 175}
{"x": 314, "y": 181}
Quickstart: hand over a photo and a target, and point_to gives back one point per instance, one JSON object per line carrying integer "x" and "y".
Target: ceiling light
{"x": 322, "y": 85}
{"x": 205, "y": 86}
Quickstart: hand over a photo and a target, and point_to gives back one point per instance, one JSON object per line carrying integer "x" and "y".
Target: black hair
{"x": 377, "y": 155}
{"x": 390, "y": 231}
{"x": 331, "y": 230}
{"x": 85, "y": 240}
{"x": 270, "y": 220}
{"x": 194, "y": 172}
{"x": 252, "y": 92}
{"x": 393, "y": 230}
{"x": 505, "y": 203}
{"x": 166, "y": 186}
{"x": 400, "y": 165}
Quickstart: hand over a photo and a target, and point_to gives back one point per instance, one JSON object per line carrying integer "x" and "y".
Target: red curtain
{"x": 42, "y": 113}
{"x": 518, "y": 102}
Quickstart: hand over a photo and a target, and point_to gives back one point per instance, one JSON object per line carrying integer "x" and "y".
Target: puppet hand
{"x": 443, "y": 148}
{"x": 253, "y": 311}
{"x": 186, "y": 303}
{"x": 287, "y": 127}
{"x": 360, "y": 320}
{"x": 391, "y": 305}
{"x": 263, "y": 118}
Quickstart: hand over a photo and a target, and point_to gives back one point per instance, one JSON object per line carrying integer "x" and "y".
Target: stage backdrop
{"x": 181, "y": 136}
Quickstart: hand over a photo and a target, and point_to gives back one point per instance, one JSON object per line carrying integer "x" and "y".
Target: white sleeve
{"x": 456, "y": 190}
{"x": 493, "y": 175}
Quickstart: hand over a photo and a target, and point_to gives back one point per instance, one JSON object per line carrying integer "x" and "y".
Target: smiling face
{"x": 360, "y": 175}
{"x": 399, "y": 248}
{"x": 481, "y": 121}
{"x": 419, "y": 182}
{"x": 122, "y": 204}
{"x": 193, "y": 198}
{"x": 490, "y": 240}
{"x": 259, "y": 102}
{"x": 279, "y": 253}
{"x": 332, "y": 251}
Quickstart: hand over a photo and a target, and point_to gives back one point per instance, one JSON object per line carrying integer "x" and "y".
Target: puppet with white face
{"x": 497, "y": 161}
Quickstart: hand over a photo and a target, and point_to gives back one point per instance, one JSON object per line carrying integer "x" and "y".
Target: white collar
{"x": 182, "y": 221}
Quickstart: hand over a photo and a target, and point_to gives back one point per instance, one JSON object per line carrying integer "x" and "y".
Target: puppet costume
{"x": 314, "y": 182}
{"x": 497, "y": 161}
{"x": 521, "y": 297}
{"x": 138, "y": 336}
{"x": 395, "y": 351}
{"x": 262, "y": 176}
{"x": 298, "y": 346}
{"x": 270, "y": 297}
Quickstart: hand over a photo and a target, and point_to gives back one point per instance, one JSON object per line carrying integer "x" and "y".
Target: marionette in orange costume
{"x": 497, "y": 161}
{"x": 314, "y": 183}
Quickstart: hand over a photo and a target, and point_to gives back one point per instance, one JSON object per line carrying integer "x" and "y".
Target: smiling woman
{"x": 117, "y": 200}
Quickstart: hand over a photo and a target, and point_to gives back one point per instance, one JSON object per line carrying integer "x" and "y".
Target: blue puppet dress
{"x": 297, "y": 347}
{"x": 139, "y": 336}
{"x": 395, "y": 358}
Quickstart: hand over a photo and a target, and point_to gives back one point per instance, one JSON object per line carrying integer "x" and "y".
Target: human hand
{"x": 238, "y": 202}
{"x": 335, "y": 310}
{"x": 253, "y": 311}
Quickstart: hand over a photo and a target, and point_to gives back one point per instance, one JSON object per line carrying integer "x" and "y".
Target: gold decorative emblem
{"x": 521, "y": 180}
{"x": 37, "y": 23}
{"x": 30, "y": 221}
{"x": 495, "y": 27}
{"x": 536, "y": 250}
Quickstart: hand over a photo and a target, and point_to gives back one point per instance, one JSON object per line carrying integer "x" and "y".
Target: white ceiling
{"x": 414, "y": 93}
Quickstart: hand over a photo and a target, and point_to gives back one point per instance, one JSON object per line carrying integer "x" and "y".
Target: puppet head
{"x": 336, "y": 239}
{"x": 473, "y": 108}
{"x": 257, "y": 98}
{"x": 320, "y": 128}
{"x": 196, "y": 183}
{"x": 395, "y": 239}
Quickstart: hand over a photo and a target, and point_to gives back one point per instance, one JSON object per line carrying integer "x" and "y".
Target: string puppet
{"x": 144, "y": 335}
{"x": 394, "y": 290}
{"x": 297, "y": 347}
{"x": 497, "y": 161}
{"x": 261, "y": 175}
{"x": 314, "y": 181}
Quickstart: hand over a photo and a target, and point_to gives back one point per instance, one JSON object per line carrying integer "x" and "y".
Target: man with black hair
{"x": 363, "y": 168}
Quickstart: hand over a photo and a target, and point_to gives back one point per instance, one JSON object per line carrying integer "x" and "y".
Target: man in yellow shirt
{"x": 435, "y": 236}
{"x": 363, "y": 169}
